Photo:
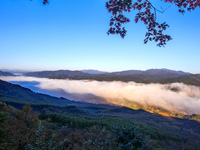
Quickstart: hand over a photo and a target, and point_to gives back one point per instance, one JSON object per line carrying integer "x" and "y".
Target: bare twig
{"x": 157, "y": 10}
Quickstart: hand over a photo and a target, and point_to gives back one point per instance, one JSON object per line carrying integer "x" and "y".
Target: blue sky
{"x": 72, "y": 35}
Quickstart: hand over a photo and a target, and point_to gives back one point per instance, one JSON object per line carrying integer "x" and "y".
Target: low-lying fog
{"x": 174, "y": 97}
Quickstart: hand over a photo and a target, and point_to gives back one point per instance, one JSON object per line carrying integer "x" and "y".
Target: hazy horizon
{"x": 38, "y": 70}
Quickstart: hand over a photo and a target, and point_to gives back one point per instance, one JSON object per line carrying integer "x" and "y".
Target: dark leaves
{"x": 185, "y": 4}
{"x": 147, "y": 15}
{"x": 45, "y": 2}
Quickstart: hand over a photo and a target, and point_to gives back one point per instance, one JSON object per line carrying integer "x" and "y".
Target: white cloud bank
{"x": 174, "y": 97}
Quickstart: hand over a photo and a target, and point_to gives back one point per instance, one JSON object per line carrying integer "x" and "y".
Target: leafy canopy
{"x": 146, "y": 14}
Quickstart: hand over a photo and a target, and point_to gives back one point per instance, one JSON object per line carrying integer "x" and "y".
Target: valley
{"x": 161, "y": 128}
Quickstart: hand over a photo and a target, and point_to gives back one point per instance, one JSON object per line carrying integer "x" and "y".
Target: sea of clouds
{"x": 176, "y": 97}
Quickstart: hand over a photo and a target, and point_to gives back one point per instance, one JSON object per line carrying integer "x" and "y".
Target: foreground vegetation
{"x": 23, "y": 129}
{"x": 26, "y": 130}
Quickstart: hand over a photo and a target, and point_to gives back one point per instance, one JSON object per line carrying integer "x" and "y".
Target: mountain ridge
{"x": 150, "y": 72}
{"x": 93, "y": 71}
{"x": 97, "y": 72}
{"x": 147, "y": 76}
{"x": 57, "y": 73}
{"x": 3, "y": 73}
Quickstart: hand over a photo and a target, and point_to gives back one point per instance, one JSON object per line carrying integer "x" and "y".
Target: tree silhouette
{"x": 147, "y": 14}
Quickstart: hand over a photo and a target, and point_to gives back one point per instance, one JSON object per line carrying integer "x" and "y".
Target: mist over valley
{"x": 176, "y": 97}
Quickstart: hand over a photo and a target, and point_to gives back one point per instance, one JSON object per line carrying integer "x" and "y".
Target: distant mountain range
{"x": 2, "y": 73}
{"x": 91, "y": 71}
{"x": 61, "y": 74}
{"x": 139, "y": 72}
{"x": 68, "y": 73}
{"x": 151, "y": 72}
{"x": 148, "y": 76}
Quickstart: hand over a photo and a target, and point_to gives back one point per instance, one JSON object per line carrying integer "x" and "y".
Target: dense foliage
{"x": 56, "y": 131}
{"x": 24, "y": 130}
{"x": 18, "y": 128}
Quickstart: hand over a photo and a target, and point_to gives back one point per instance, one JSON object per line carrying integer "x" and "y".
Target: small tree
{"x": 21, "y": 129}
{"x": 129, "y": 138}
{"x": 3, "y": 118}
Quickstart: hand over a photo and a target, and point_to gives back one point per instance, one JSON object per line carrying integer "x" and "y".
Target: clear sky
{"x": 71, "y": 34}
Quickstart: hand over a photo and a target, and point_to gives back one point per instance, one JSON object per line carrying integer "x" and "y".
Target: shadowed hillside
{"x": 19, "y": 92}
